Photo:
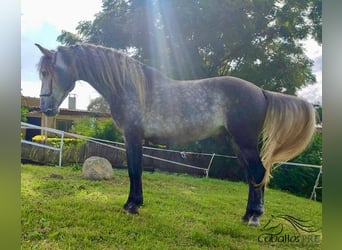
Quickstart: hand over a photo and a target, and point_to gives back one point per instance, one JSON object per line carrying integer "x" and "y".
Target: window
{"x": 64, "y": 125}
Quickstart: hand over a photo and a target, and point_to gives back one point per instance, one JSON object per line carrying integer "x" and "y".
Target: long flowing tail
{"x": 288, "y": 129}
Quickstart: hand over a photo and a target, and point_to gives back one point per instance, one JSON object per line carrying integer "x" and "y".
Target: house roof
{"x": 33, "y": 103}
{"x": 64, "y": 111}
{"x": 29, "y": 101}
{"x": 75, "y": 112}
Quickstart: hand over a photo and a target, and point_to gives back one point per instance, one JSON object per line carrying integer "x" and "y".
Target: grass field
{"x": 180, "y": 212}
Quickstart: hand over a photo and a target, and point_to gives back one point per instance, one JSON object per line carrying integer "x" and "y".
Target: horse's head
{"x": 57, "y": 81}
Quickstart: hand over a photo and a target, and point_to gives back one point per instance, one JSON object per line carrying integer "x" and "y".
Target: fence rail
{"x": 25, "y": 125}
{"x": 206, "y": 165}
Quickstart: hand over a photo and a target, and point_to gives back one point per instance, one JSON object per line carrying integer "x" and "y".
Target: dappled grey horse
{"x": 147, "y": 105}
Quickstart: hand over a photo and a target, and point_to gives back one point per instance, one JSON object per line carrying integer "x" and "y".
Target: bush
{"x": 24, "y": 110}
{"x": 56, "y": 141}
{"x": 107, "y": 130}
{"x": 86, "y": 126}
{"x": 102, "y": 129}
{"x": 301, "y": 180}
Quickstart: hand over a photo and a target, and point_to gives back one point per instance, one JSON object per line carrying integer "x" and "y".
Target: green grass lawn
{"x": 180, "y": 212}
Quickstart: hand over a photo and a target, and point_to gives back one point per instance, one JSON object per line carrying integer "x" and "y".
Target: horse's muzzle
{"x": 47, "y": 106}
{"x": 50, "y": 112}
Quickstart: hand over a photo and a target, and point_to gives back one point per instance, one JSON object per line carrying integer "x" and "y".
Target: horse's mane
{"x": 106, "y": 66}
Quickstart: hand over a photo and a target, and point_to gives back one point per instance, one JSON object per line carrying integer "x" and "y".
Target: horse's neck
{"x": 101, "y": 87}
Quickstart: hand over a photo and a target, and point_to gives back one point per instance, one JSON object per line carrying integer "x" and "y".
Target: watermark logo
{"x": 276, "y": 231}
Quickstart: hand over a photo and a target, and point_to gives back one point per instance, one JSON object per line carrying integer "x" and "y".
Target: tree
{"x": 315, "y": 17}
{"x": 99, "y": 104}
{"x": 255, "y": 40}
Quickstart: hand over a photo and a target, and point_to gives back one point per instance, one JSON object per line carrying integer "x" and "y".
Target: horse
{"x": 265, "y": 127}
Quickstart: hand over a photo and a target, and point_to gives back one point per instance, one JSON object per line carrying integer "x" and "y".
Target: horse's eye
{"x": 44, "y": 73}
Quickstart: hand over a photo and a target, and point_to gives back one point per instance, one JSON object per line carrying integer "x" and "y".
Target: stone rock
{"x": 56, "y": 176}
{"x": 97, "y": 168}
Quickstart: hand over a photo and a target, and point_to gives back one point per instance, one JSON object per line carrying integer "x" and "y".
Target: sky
{"x": 43, "y": 20}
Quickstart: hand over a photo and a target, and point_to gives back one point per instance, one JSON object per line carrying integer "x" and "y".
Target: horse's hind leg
{"x": 255, "y": 174}
{"x": 245, "y": 138}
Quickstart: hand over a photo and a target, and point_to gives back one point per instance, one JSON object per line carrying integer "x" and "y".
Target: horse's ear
{"x": 45, "y": 52}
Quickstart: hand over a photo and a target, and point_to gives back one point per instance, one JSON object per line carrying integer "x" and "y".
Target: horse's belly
{"x": 182, "y": 129}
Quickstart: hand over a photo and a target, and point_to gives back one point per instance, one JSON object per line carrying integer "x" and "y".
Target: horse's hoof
{"x": 245, "y": 218}
{"x": 131, "y": 208}
{"x": 254, "y": 221}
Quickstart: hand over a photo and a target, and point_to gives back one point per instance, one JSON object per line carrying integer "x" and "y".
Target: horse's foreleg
{"x": 134, "y": 162}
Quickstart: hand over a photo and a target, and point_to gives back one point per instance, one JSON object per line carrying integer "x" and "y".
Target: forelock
{"x": 46, "y": 64}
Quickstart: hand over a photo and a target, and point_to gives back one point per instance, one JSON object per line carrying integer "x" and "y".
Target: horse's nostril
{"x": 50, "y": 112}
